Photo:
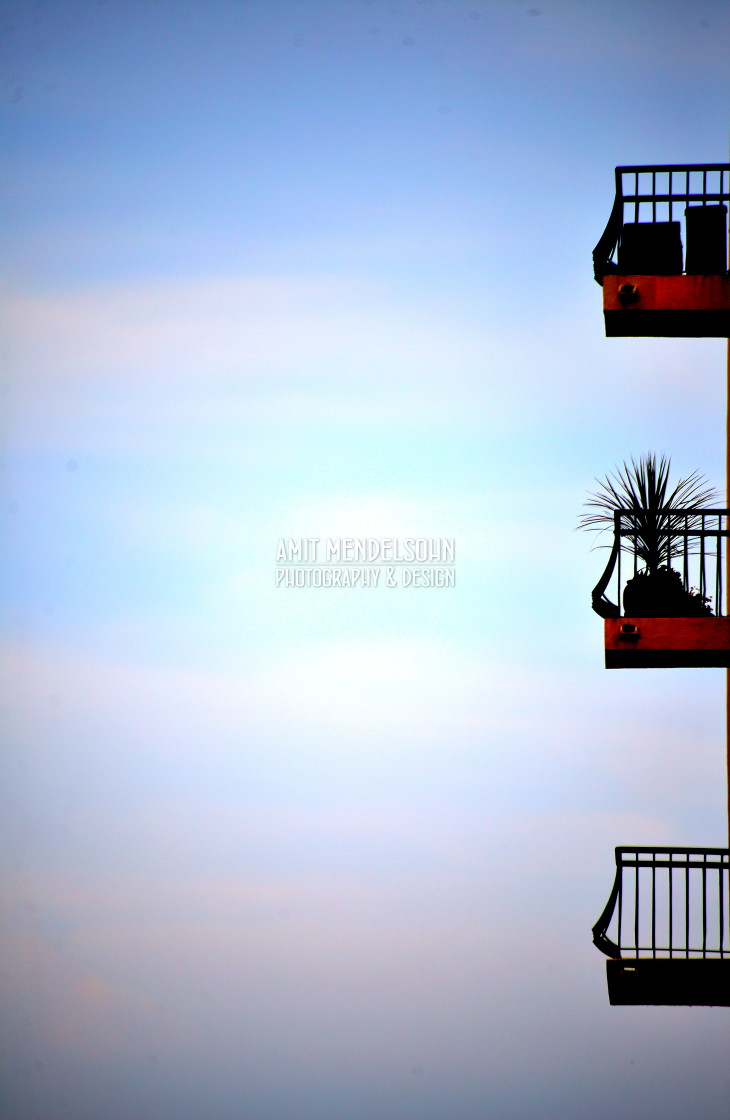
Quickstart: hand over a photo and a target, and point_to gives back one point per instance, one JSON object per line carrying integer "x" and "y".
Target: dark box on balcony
{"x": 706, "y": 229}
{"x": 650, "y": 249}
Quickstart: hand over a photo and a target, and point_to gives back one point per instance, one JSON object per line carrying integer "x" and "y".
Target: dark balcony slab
{"x": 676, "y": 982}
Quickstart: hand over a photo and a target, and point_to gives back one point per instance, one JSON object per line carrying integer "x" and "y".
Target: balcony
{"x": 672, "y": 610}
{"x": 663, "y": 257}
{"x": 666, "y": 927}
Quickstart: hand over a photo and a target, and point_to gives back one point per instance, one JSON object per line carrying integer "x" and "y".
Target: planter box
{"x": 667, "y": 306}
{"x": 650, "y": 248}
{"x": 674, "y": 981}
{"x": 662, "y": 643}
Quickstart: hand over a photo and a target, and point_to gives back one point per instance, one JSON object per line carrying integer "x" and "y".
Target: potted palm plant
{"x": 659, "y": 520}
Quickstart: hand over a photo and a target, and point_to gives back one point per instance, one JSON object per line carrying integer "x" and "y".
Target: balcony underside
{"x": 667, "y": 306}
{"x": 676, "y": 982}
{"x": 663, "y": 643}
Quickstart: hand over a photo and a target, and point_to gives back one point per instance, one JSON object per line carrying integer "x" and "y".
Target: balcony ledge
{"x": 661, "y": 643}
{"x": 669, "y": 981}
{"x": 694, "y": 306}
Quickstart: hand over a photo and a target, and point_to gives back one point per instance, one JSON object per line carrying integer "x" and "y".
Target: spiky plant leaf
{"x": 642, "y": 487}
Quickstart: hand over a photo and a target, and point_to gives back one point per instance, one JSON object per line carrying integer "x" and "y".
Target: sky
{"x": 283, "y": 269}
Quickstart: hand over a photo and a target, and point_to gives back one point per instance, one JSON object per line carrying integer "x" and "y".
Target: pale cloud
{"x": 233, "y": 367}
{"x": 390, "y": 697}
{"x": 377, "y": 515}
{"x": 207, "y": 328}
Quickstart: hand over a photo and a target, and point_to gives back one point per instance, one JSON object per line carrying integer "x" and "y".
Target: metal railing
{"x": 684, "y": 547}
{"x": 649, "y": 195}
{"x": 668, "y": 902}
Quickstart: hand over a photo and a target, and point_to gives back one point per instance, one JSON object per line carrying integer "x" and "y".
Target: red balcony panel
{"x": 696, "y": 306}
{"x": 662, "y": 643}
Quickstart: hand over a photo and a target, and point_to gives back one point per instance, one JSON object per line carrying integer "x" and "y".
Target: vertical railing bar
{"x": 704, "y": 910}
{"x": 617, "y": 532}
{"x": 726, "y": 924}
{"x": 721, "y": 609}
{"x": 653, "y": 196}
{"x": 702, "y": 555}
{"x": 723, "y": 590}
{"x": 686, "y": 908}
{"x": 671, "y": 927}
{"x": 718, "y": 568}
{"x": 721, "y": 904}
{"x": 620, "y": 902}
{"x": 636, "y": 196}
{"x": 653, "y": 905}
{"x": 686, "y": 552}
{"x": 636, "y": 905}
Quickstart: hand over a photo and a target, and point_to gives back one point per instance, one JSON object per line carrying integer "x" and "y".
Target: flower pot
{"x": 661, "y": 594}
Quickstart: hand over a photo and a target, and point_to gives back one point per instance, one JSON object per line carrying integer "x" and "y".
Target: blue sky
{"x": 282, "y": 268}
